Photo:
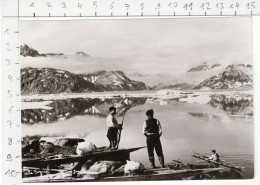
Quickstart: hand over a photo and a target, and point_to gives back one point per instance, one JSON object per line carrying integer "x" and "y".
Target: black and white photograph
{"x": 137, "y": 99}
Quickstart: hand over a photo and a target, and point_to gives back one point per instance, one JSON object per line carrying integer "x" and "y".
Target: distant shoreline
{"x": 124, "y": 94}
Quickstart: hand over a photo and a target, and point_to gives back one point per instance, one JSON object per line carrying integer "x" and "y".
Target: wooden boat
{"x": 220, "y": 162}
{"x": 119, "y": 155}
{"x": 148, "y": 175}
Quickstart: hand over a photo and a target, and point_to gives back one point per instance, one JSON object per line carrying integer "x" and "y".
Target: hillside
{"x": 114, "y": 81}
{"x": 52, "y": 81}
{"x": 28, "y": 51}
{"x": 176, "y": 84}
{"x": 231, "y": 78}
{"x": 203, "y": 67}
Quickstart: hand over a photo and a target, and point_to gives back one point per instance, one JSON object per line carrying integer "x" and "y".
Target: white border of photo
{"x": 256, "y": 67}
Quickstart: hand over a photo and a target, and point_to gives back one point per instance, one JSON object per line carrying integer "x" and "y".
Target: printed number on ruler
{"x": 11, "y": 134}
{"x": 100, "y": 8}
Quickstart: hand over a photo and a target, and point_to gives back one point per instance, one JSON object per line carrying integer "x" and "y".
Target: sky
{"x": 146, "y": 46}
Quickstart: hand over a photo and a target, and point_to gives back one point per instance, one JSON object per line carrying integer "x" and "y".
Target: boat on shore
{"x": 147, "y": 175}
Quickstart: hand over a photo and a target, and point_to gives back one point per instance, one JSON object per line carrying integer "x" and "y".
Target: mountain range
{"x": 51, "y": 81}
{"x": 233, "y": 77}
{"x": 205, "y": 76}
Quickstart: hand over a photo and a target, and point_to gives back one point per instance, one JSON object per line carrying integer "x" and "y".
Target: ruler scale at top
{"x": 133, "y": 8}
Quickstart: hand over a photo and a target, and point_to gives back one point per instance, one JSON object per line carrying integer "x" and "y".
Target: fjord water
{"x": 186, "y": 127}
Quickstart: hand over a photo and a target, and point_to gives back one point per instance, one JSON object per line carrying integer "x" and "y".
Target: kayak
{"x": 220, "y": 162}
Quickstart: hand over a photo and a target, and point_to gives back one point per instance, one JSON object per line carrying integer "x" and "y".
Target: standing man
{"x": 113, "y": 127}
{"x": 152, "y": 129}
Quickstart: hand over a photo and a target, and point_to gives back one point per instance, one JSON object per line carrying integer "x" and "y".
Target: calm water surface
{"x": 186, "y": 127}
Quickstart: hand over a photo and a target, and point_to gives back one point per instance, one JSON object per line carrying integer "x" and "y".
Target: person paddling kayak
{"x": 214, "y": 156}
{"x": 152, "y": 129}
{"x": 113, "y": 127}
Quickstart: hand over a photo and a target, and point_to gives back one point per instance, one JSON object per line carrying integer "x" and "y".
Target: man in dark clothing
{"x": 152, "y": 130}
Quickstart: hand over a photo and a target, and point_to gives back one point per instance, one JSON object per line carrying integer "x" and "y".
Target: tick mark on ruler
{"x": 33, "y": 14}
{"x": 17, "y": 156}
{"x": 95, "y": 14}
{"x": 49, "y": 14}
{"x": 174, "y": 13}
{"x": 142, "y": 14}
{"x": 64, "y": 14}
{"x": 189, "y": 13}
{"x": 16, "y": 32}
{"x": 111, "y": 14}
{"x": 235, "y": 12}
{"x": 221, "y": 13}
{"x": 80, "y": 14}
{"x": 205, "y": 13}
{"x": 127, "y": 14}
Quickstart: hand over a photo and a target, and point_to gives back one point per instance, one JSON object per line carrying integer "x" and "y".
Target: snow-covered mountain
{"x": 203, "y": 67}
{"x": 114, "y": 81}
{"x": 176, "y": 84}
{"x": 51, "y": 81}
{"x": 231, "y": 78}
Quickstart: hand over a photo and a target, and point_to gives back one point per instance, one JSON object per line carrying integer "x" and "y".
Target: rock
{"x": 67, "y": 141}
{"x": 81, "y": 53}
{"x": 119, "y": 171}
{"x": 85, "y": 147}
{"x": 102, "y": 168}
{"x": 132, "y": 167}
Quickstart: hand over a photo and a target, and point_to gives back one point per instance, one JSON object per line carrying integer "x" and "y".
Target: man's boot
{"x": 161, "y": 160}
{"x": 151, "y": 159}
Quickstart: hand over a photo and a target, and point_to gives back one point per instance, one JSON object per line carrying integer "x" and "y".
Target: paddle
{"x": 120, "y": 130}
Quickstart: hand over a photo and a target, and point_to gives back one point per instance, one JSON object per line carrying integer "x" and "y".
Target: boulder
{"x": 133, "y": 167}
{"x": 102, "y": 168}
{"x": 85, "y": 147}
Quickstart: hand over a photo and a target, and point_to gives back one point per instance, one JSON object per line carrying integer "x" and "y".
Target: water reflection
{"x": 67, "y": 108}
{"x": 233, "y": 104}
